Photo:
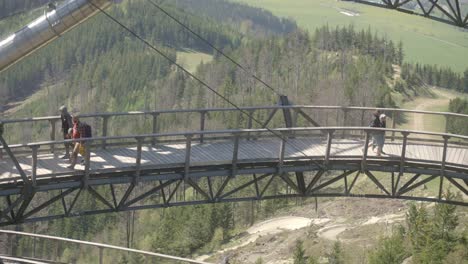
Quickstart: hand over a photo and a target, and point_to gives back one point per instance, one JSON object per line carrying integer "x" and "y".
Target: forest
{"x": 98, "y": 67}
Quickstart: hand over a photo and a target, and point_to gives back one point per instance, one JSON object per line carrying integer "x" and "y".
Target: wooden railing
{"x": 284, "y": 134}
{"x": 300, "y": 110}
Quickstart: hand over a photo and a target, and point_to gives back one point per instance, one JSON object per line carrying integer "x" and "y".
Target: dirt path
{"x": 332, "y": 231}
{"x": 442, "y": 99}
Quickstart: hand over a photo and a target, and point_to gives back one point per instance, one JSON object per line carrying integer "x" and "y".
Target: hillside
{"x": 81, "y": 49}
{"x": 98, "y": 67}
{"x": 444, "y": 45}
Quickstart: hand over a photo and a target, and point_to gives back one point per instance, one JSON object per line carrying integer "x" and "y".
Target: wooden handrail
{"x": 239, "y": 132}
{"x": 251, "y": 108}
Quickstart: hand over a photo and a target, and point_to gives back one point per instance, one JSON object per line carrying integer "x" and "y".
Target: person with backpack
{"x": 66, "y": 119}
{"x": 80, "y": 130}
{"x": 380, "y": 135}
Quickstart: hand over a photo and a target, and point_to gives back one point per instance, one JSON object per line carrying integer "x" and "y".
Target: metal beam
{"x": 327, "y": 183}
{"x": 245, "y": 185}
{"x": 374, "y": 179}
{"x": 428, "y": 179}
{"x": 99, "y": 197}
{"x": 15, "y": 161}
{"x": 51, "y": 201}
{"x": 150, "y": 192}
{"x": 314, "y": 180}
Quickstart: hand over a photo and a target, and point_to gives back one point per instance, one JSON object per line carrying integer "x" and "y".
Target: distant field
{"x": 190, "y": 59}
{"x": 425, "y": 41}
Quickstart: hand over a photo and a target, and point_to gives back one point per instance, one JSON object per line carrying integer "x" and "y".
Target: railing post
{"x": 345, "y": 117}
{"x": 2, "y": 129}
{"x": 238, "y": 120}
{"x": 202, "y": 124}
{"x": 447, "y": 122}
{"x": 188, "y": 149}
{"x": 394, "y": 118}
{"x": 104, "y": 130}
{"x": 138, "y": 159}
{"x": 366, "y": 149}
{"x": 363, "y": 113}
{"x": 249, "y": 122}
{"x": 402, "y": 160}
{"x": 235, "y": 154}
{"x": 155, "y": 128}
{"x": 34, "y": 165}
{"x": 52, "y": 134}
{"x": 101, "y": 249}
{"x": 282, "y": 151}
{"x": 442, "y": 168}
{"x": 87, "y": 164}
{"x": 329, "y": 143}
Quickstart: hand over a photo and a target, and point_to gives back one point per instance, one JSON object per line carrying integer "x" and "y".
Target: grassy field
{"x": 425, "y": 41}
{"x": 190, "y": 59}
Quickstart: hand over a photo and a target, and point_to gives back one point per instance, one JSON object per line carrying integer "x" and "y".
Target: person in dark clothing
{"x": 66, "y": 119}
{"x": 374, "y": 123}
{"x": 380, "y": 136}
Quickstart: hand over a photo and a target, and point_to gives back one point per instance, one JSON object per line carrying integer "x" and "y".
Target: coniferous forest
{"x": 98, "y": 67}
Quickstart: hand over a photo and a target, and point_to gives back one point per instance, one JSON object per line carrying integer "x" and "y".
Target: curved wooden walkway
{"x": 208, "y": 166}
{"x": 221, "y": 152}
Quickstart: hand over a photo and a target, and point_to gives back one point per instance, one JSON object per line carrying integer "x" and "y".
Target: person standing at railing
{"x": 78, "y": 132}
{"x": 66, "y": 119}
{"x": 380, "y": 135}
{"x": 375, "y": 123}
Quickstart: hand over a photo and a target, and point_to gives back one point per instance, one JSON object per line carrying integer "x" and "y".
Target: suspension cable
{"x": 279, "y": 135}
{"x": 214, "y": 47}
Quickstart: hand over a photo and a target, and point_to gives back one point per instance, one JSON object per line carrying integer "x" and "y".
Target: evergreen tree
{"x": 400, "y": 53}
{"x": 299, "y": 253}
{"x": 465, "y": 81}
{"x": 390, "y": 250}
{"x": 336, "y": 254}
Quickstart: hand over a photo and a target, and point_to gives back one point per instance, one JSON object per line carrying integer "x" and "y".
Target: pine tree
{"x": 465, "y": 81}
{"x": 390, "y": 250}
{"x": 336, "y": 255}
{"x": 400, "y": 53}
{"x": 299, "y": 253}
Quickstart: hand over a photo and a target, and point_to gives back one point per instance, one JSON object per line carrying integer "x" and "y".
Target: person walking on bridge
{"x": 378, "y": 137}
{"x": 78, "y": 132}
{"x": 66, "y": 119}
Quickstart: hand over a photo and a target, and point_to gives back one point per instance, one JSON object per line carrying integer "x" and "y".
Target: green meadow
{"x": 425, "y": 41}
{"x": 190, "y": 59}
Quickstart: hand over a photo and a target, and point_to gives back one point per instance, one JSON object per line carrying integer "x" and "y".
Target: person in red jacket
{"x": 77, "y": 133}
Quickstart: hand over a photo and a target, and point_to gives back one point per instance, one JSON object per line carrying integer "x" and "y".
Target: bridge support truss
{"x": 165, "y": 189}
{"x": 450, "y": 11}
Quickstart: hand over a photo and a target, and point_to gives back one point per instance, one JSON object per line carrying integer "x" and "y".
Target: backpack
{"x": 87, "y": 131}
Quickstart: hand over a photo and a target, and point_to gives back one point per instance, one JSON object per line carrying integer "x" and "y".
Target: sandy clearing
{"x": 390, "y": 218}
{"x": 332, "y": 232}
{"x": 270, "y": 227}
